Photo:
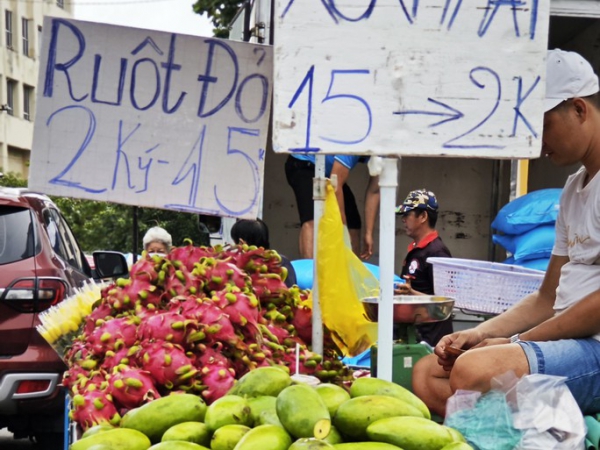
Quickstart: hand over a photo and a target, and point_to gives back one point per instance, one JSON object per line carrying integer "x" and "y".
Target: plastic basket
{"x": 483, "y": 286}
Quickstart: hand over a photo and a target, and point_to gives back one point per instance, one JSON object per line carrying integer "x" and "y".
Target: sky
{"x": 164, "y": 15}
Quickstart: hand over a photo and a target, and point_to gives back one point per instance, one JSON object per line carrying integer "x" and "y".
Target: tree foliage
{"x": 220, "y": 13}
{"x": 109, "y": 226}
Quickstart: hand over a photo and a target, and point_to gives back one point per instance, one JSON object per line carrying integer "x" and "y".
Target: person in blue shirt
{"x": 300, "y": 171}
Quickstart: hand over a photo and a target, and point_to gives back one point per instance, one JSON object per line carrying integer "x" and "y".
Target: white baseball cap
{"x": 568, "y": 75}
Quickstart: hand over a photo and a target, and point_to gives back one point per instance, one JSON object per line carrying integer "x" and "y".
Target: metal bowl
{"x": 413, "y": 308}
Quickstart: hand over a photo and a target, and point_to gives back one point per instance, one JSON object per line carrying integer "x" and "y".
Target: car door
{"x": 18, "y": 246}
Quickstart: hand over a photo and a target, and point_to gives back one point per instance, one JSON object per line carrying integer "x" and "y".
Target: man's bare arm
{"x": 342, "y": 173}
{"x": 372, "y": 197}
{"x": 533, "y": 310}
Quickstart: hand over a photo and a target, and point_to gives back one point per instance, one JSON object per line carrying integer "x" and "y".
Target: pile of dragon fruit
{"x": 193, "y": 321}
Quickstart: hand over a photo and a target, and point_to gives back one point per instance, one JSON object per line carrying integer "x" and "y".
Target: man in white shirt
{"x": 555, "y": 330}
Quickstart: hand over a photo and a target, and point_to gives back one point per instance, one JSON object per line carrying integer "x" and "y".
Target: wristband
{"x": 515, "y": 338}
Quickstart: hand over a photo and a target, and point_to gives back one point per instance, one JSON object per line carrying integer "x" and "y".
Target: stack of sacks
{"x": 526, "y": 227}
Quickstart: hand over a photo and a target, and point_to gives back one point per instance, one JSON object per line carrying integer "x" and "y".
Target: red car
{"x": 41, "y": 264}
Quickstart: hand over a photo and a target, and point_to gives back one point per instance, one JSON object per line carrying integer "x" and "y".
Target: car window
{"x": 75, "y": 256}
{"x": 62, "y": 240}
{"x": 53, "y": 234}
{"x": 17, "y": 238}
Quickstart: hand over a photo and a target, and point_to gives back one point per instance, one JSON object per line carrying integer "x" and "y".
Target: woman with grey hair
{"x": 157, "y": 240}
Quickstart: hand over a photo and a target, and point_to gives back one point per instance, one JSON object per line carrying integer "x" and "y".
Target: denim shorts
{"x": 576, "y": 359}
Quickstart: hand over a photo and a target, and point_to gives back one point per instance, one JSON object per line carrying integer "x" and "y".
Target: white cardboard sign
{"x": 151, "y": 118}
{"x": 410, "y": 77}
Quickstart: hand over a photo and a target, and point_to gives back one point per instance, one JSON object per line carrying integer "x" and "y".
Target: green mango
{"x": 227, "y": 437}
{"x": 265, "y": 437}
{"x": 334, "y": 436}
{"x": 156, "y": 417}
{"x": 366, "y": 446}
{"x": 116, "y": 439}
{"x": 228, "y": 410}
{"x": 333, "y": 396}
{"x": 457, "y": 446}
{"x": 302, "y": 412}
{"x": 410, "y": 433}
{"x": 260, "y": 404}
{"x": 97, "y": 429}
{"x": 310, "y": 444}
{"x": 262, "y": 381}
{"x": 354, "y": 416}
{"x": 376, "y": 386}
{"x": 195, "y": 432}
{"x": 456, "y": 435}
{"x": 177, "y": 445}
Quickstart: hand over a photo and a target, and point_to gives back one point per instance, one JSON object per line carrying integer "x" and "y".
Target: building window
{"x": 25, "y": 31}
{"x": 9, "y": 28}
{"x": 18, "y": 161}
{"x": 11, "y": 88}
{"x": 27, "y": 102}
{"x": 60, "y": 3}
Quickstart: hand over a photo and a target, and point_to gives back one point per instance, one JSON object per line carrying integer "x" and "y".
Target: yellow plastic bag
{"x": 343, "y": 280}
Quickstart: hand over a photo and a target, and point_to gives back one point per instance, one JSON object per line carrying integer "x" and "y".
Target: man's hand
{"x": 406, "y": 288}
{"x": 463, "y": 340}
{"x": 367, "y": 246}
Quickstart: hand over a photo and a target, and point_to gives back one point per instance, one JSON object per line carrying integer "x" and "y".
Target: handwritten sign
{"x": 151, "y": 118}
{"x": 410, "y": 77}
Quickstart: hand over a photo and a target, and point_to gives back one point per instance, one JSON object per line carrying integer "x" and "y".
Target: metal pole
{"x": 388, "y": 182}
{"x": 319, "y": 190}
{"x": 136, "y": 233}
{"x": 247, "y": 14}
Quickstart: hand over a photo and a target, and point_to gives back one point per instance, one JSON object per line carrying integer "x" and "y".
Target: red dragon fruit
{"x": 302, "y": 322}
{"x": 190, "y": 255}
{"x": 131, "y": 387}
{"x": 125, "y": 355}
{"x": 78, "y": 350}
{"x": 210, "y": 356}
{"x": 218, "y": 381}
{"x": 275, "y": 333}
{"x": 179, "y": 281}
{"x": 94, "y": 408}
{"x": 166, "y": 326}
{"x": 269, "y": 287}
{"x": 241, "y": 306}
{"x": 114, "y": 334}
{"x": 103, "y": 311}
{"x": 213, "y": 323}
{"x": 147, "y": 268}
{"x": 95, "y": 379}
{"x": 217, "y": 274}
{"x": 73, "y": 375}
{"x": 167, "y": 363}
{"x": 254, "y": 260}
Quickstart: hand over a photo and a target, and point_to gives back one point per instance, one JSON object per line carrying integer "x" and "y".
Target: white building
{"x": 20, "y": 49}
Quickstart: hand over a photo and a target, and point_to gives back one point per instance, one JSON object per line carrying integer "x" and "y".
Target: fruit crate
{"x": 483, "y": 286}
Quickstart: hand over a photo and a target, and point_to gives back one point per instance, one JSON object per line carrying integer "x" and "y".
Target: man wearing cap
{"x": 555, "y": 330}
{"x": 419, "y": 213}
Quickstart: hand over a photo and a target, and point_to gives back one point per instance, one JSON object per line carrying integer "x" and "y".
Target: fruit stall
{"x": 206, "y": 347}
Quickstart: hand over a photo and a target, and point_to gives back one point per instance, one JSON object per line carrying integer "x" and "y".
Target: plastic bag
{"x": 535, "y": 412}
{"x": 342, "y": 281}
{"x": 484, "y": 420}
{"x": 548, "y": 414}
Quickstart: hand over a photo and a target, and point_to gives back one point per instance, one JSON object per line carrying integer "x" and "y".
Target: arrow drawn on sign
{"x": 450, "y": 113}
